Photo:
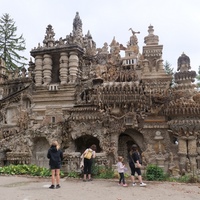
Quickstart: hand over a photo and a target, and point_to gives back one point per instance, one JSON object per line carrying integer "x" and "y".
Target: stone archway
{"x": 86, "y": 141}
{"x": 127, "y": 139}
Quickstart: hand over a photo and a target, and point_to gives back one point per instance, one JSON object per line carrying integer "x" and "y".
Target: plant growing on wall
{"x": 10, "y": 44}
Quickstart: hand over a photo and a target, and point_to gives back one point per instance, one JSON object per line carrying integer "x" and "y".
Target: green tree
{"x": 11, "y": 44}
{"x": 198, "y": 78}
{"x": 169, "y": 70}
{"x": 168, "y": 67}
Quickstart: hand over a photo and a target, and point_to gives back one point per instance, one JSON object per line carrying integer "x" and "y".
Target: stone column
{"x": 47, "y": 67}
{"x": 38, "y": 70}
{"x": 73, "y": 66}
{"x": 63, "y": 68}
{"x": 192, "y": 153}
{"x": 146, "y": 66}
{"x": 182, "y": 151}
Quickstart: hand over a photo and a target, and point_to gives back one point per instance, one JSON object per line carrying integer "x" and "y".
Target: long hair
{"x": 55, "y": 143}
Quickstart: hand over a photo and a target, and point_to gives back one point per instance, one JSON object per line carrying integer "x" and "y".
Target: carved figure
{"x": 133, "y": 38}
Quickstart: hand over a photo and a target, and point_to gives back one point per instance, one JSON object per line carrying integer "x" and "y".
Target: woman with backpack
{"x": 88, "y": 155}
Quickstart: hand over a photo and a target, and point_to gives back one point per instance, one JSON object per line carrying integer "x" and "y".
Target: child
{"x": 121, "y": 168}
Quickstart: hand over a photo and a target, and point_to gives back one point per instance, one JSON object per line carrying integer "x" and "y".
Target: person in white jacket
{"x": 121, "y": 168}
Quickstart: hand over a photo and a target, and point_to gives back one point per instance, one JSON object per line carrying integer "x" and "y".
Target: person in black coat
{"x": 55, "y": 156}
{"x": 135, "y": 163}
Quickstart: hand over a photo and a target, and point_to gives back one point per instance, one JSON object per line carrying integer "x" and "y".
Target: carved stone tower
{"x": 184, "y": 114}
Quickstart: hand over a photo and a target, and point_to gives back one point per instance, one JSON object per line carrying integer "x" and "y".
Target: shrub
{"x": 32, "y": 170}
{"x": 155, "y": 173}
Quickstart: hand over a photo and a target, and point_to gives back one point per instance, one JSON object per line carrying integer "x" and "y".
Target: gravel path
{"x": 22, "y": 188}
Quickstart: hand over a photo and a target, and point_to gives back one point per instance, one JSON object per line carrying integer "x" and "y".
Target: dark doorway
{"x": 85, "y": 142}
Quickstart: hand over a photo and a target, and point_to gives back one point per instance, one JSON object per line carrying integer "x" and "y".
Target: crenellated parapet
{"x": 183, "y": 107}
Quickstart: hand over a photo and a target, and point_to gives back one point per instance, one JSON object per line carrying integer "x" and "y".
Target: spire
{"x": 183, "y": 63}
{"x": 77, "y": 25}
{"x": 89, "y": 35}
{"x": 49, "y": 37}
{"x": 151, "y": 39}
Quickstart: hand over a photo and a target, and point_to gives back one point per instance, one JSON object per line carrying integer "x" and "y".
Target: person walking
{"x": 55, "y": 156}
{"x": 89, "y": 154}
{"x": 121, "y": 168}
{"x": 135, "y": 163}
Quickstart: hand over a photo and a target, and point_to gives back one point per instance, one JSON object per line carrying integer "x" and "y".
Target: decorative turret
{"x": 77, "y": 26}
{"x": 184, "y": 112}
{"x": 152, "y": 52}
{"x": 151, "y": 39}
{"x": 77, "y": 29}
{"x": 184, "y": 78}
{"x": 49, "y": 40}
{"x": 183, "y": 63}
{"x": 153, "y": 73}
{"x": 183, "y": 103}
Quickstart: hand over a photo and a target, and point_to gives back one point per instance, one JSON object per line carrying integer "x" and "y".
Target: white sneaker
{"x": 134, "y": 184}
{"x": 143, "y": 184}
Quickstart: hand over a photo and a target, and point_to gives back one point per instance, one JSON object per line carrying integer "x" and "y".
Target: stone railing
{"x": 72, "y": 161}
{"x": 18, "y": 157}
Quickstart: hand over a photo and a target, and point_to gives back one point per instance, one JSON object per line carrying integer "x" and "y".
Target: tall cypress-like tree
{"x": 11, "y": 44}
{"x": 198, "y": 78}
{"x": 168, "y": 67}
{"x": 169, "y": 70}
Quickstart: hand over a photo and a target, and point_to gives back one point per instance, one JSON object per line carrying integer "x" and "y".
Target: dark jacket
{"x": 133, "y": 156}
{"x": 55, "y": 156}
{"x": 136, "y": 156}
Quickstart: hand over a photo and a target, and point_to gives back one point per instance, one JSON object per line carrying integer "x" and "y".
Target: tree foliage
{"x": 11, "y": 44}
{"x": 168, "y": 68}
{"x": 198, "y": 78}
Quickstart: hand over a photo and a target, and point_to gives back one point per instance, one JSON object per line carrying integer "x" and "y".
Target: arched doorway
{"x": 127, "y": 139}
{"x": 86, "y": 141}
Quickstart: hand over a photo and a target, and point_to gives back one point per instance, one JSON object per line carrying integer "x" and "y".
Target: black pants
{"x": 121, "y": 178}
{"x": 87, "y": 166}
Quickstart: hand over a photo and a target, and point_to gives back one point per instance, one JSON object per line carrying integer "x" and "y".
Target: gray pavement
{"x": 28, "y": 188}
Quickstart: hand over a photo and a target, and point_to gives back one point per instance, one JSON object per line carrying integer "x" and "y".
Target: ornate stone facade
{"x": 79, "y": 94}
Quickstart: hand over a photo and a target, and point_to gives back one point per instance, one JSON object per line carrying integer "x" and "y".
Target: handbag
{"x": 135, "y": 164}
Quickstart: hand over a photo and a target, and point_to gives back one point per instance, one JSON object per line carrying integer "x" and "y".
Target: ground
{"x": 27, "y": 188}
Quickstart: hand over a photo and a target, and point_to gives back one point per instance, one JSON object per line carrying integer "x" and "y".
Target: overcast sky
{"x": 176, "y": 22}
